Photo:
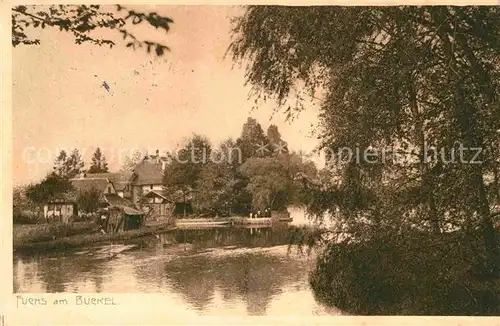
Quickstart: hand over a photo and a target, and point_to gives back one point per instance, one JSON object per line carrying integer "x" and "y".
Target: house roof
{"x": 131, "y": 211}
{"x": 115, "y": 200}
{"x": 120, "y": 179}
{"x": 81, "y": 185}
{"x": 67, "y": 197}
{"x": 177, "y": 197}
{"x": 86, "y": 184}
{"x": 157, "y": 193}
{"x": 127, "y": 210}
{"x": 146, "y": 173}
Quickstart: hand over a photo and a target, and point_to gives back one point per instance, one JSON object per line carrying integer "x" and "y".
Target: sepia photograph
{"x": 258, "y": 160}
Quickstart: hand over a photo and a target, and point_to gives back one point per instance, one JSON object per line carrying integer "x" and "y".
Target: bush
{"x": 418, "y": 275}
{"x": 25, "y": 217}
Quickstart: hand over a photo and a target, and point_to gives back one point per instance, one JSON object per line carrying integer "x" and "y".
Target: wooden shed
{"x": 122, "y": 218}
{"x": 156, "y": 206}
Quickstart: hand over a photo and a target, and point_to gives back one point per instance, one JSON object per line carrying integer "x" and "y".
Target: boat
{"x": 252, "y": 220}
{"x": 285, "y": 219}
{"x": 201, "y": 222}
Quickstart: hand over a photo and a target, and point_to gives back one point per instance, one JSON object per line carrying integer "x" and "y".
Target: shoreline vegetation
{"x": 55, "y": 237}
{"x": 414, "y": 274}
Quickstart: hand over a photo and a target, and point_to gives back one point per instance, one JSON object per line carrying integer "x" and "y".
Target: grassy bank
{"x": 36, "y": 241}
{"x": 26, "y": 233}
{"x": 414, "y": 275}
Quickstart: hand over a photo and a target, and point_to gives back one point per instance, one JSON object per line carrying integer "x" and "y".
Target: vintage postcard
{"x": 244, "y": 163}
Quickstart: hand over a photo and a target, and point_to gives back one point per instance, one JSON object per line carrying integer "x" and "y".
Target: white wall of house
{"x": 59, "y": 212}
{"x": 120, "y": 193}
{"x": 154, "y": 200}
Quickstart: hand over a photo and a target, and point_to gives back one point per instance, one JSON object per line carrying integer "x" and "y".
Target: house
{"x": 147, "y": 176}
{"x": 61, "y": 209}
{"x": 102, "y": 185}
{"x": 64, "y": 207}
{"x": 120, "y": 181}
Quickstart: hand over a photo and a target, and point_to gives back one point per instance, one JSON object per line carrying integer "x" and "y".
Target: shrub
{"x": 417, "y": 275}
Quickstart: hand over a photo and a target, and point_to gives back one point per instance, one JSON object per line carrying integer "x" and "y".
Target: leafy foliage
{"x": 24, "y": 210}
{"x": 83, "y": 20}
{"x": 213, "y": 188}
{"x": 186, "y": 164}
{"x": 235, "y": 177}
{"x": 414, "y": 275}
{"x": 252, "y": 142}
{"x": 271, "y": 180}
{"x": 405, "y": 79}
{"x": 48, "y": 189}
{"x": 402, "y": 80}
{"x": 88, "y": 200}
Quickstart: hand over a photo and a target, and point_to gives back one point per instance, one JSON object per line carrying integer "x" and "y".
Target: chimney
{"x": 157, "y": 156}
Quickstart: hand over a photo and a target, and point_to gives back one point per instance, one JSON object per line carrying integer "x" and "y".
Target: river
{"x": 217, "y": 271}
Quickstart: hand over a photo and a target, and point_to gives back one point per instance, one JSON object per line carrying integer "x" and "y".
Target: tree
{"x": 83, "y": 20}
{"x": 253, "y": 142}
{"x": 271, "y": 180}
{"x": 23, "y": 209}
{"x": 213, "y": 188}
{"x": 186, "y": 164}
{"x": 236, "y": 195}
{"x": 228, "y": 153}
{"x": 131, "y": 161}
{"x": 88, "y": 200}
{"x": 50, "y": 188}
{"x": 407, "y": 80}
{"x": 60, "y": 164}
{"x": 274, "y": 137}
{"x": 74, "y": 164}
{"x": 99, "y": 164}
{"x": 68, "y": 166}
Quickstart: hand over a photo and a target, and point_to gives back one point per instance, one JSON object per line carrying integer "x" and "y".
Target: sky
{"x": 153, "y": 103}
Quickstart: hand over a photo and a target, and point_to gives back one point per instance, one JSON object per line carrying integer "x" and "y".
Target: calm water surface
{"x": 241, "y": 271}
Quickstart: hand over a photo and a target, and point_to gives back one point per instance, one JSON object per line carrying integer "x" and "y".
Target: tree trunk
{"x": 496, "y": 185}
{"x": 488, "y": 230}
{"x": 425, "y": 184}
{"x": 184, "y": 195}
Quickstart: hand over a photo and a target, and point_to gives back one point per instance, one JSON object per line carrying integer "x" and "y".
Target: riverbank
{"x": 25, "y": 233}
{"x": 412, "y": 275}
{"x": 46, "y": 237}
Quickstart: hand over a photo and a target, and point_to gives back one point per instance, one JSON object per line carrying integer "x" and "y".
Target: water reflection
{"x": 208, "y": 271}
